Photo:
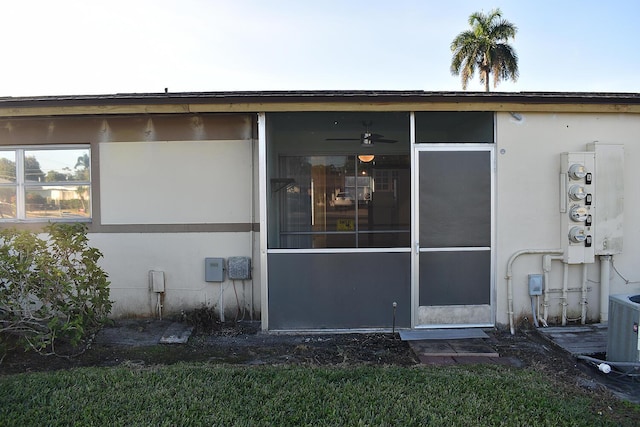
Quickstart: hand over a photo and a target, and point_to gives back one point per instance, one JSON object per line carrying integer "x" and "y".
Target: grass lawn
{"x": 201, "y": 394}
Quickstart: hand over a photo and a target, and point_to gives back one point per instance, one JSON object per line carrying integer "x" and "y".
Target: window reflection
{"x": 57, "y": 202}
{"x": 343, "y": 202}
{"x": 48, "y": 183}
{"x": 7, "y": 184}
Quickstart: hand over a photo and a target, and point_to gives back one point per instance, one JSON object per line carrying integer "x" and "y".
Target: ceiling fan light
{"x": 366, "y": 158}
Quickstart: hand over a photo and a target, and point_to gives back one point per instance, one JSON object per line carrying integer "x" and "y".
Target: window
{"x": 454, "y": 126}
{"x": 42, "y": 183}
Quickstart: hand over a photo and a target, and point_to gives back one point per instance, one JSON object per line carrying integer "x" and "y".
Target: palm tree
{"x": 82, "y": 172}
{"x": 485, "y": 48}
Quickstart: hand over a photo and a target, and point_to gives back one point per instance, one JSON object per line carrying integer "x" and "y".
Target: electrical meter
{"x": 577, "y": 235}
{"x": 577, "y": 171}
{"x": 578, "y": 206}
{"x": 578, "y": 213}
{"x": 577, "y": 192}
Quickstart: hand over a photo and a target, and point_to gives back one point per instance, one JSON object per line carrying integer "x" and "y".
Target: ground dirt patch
{"x": 242, "y": 343}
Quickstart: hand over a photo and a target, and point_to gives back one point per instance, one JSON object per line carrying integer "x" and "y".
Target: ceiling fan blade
{"x": 376, "y": 137}
{"x": 342, "y": 139}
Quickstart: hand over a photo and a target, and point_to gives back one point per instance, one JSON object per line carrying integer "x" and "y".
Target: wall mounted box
{"x": 214, "y": 269}
{"x": 609, "y": 186}
{"x": 535, "y": 284}
{"x": 239, "y": 268}
{"x": 156, "y": 281}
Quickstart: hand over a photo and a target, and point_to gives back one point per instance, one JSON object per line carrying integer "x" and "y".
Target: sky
{"x": 91, "y": 47}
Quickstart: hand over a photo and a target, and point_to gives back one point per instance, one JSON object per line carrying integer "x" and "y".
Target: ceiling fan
{"x": 367, "y": 138}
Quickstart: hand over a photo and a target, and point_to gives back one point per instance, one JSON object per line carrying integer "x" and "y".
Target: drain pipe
{"x": 509, "y": 278}
{"x": 599, "y": 363}
{"x": 605, "y": 270}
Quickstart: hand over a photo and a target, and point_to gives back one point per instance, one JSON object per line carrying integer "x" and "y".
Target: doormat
{"x": 441, "y": 334}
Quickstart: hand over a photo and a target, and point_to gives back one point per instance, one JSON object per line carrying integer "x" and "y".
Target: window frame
{"x": 22, "y": 185}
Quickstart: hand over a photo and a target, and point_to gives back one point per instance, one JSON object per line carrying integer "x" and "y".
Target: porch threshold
{"x": 441, "y": 334}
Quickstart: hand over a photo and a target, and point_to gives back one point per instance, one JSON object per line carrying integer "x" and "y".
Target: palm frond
{"x": 503, "y": 30}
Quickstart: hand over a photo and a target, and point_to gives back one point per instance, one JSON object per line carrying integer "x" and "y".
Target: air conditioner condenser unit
{"x": 623, "y": 342}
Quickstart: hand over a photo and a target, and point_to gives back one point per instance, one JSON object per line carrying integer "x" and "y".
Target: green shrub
{"x": 51, "y": 290}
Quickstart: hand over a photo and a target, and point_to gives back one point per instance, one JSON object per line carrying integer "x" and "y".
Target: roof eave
{"x": 253, "y": 101}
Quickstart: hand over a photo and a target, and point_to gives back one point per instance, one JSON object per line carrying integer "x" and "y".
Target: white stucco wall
{"x": 172, "y": 184}
{"x": 128, "y": 258}
{"x": 181, "y": 182}
{"x": 527, "y": 206}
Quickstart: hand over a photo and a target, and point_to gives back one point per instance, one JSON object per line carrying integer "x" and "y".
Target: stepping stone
{"x": 176, "y": 333}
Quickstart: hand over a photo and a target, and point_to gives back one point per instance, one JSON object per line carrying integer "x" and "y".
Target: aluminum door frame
{"x": 415, "y": 232}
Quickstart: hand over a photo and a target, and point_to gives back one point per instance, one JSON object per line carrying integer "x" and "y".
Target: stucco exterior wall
{"x": 179, "y": 182}
{"x": 168, "y": 205}
{"x": 527, "y": 203}
{"x": 128, "y": 258}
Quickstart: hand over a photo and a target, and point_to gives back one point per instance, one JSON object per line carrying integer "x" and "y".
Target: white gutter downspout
{"x": 605, "y": 269}
{"x": 509, "y": 278}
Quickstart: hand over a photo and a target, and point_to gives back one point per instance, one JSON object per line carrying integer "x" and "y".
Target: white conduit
{"x": 509, "y": 278}
{"x": 565, "y": 293}
{"x": 583, "y": 315}
{"x": 546, "y": 268}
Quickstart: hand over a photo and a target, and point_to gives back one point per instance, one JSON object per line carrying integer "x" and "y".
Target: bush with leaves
{"x": 51, "y": 290}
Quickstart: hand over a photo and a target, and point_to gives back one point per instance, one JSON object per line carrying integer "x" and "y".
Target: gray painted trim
{"x": 239, "y": 227}
{"x": 146, "y": 228}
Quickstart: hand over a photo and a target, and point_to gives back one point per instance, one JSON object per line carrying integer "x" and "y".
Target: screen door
{"x": 454, "y": 194}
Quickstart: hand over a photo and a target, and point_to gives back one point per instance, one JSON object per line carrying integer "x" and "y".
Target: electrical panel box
{"x": 609, "y": 168}
{"x": 214, "y": 269}
{"x": 578, "y": 202}
{"x": 239, "y": 268}
{"x": 156, "y": 281}
{"x": 535, "y": 284}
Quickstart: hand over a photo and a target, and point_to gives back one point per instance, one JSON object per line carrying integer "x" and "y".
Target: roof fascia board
{"x": 82, "y": 110}
{"x": 244, "y": 102}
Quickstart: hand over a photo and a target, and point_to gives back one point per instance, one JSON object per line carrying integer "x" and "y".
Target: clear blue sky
{"x": 79, "y": 47}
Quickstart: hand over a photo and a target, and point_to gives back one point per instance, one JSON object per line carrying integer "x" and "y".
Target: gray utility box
{"x": 623, "y": 344}
{"x": 214, "y": 269}
{"x": 239, "y": 268}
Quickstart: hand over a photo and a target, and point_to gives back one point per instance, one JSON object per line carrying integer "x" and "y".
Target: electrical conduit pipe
{"x": 583, "y": 316}
{"x": 546, "y": 269}
{"x": 605, "y": 269}
{"x": 565, "y": 293}
{"x": 509, "y": 278}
